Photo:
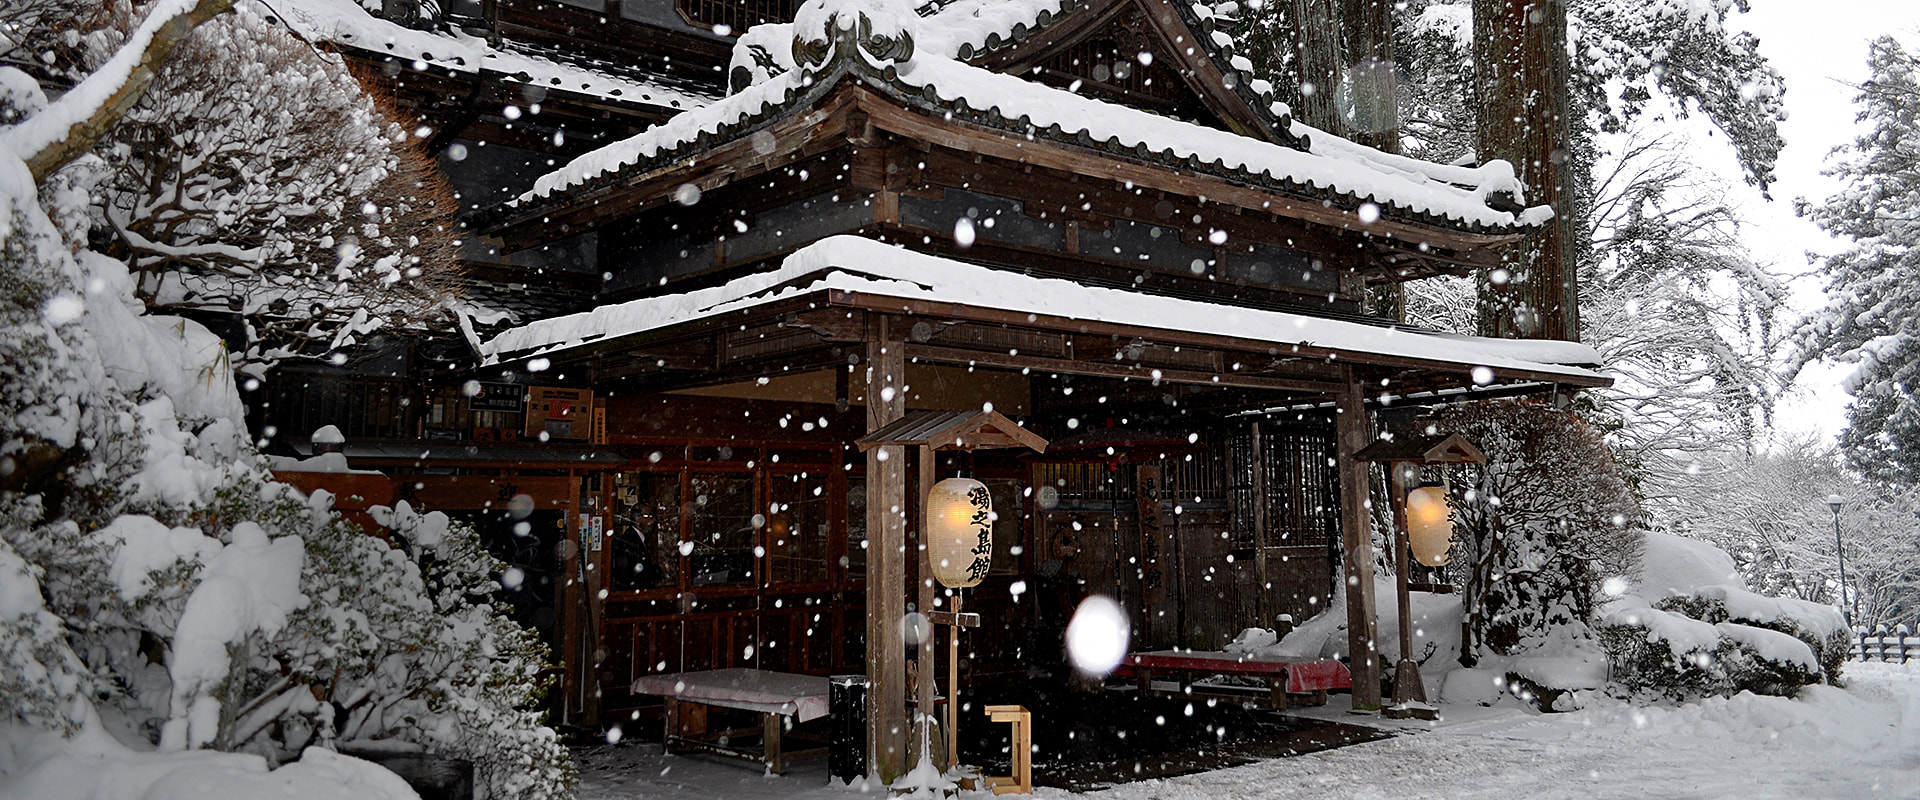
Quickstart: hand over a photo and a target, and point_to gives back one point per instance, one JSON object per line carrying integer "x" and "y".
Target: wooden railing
{"x": 1898, "y": 645}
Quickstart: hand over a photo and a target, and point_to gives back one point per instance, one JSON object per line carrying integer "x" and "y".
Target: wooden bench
{"x": 775, "y": 695}
{"x": 1290, "y": 681}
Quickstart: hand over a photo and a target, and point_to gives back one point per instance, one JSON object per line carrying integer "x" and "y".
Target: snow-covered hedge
{"x": 1692, "y": 630}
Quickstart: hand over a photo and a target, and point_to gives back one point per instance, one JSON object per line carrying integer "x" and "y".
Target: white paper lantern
{"x": 960, "y": 532}
{"x": 1430, "y": 525}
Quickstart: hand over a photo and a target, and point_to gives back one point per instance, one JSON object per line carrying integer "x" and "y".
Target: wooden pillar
{"x": 1402, "y": 560}
{"x": 923, "y": 602}
{"x": 1357, "y": 546}
{"x": 1262, "y": 612}
{"x": 886, "y": 558}
{"x": 593, "y": 650}
{"x": 570, "y": 607}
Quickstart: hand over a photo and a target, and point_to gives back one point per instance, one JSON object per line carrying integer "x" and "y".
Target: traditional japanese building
{"x": 703, "y": 276}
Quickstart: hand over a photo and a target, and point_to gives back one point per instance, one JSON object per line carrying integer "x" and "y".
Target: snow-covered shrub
{"x": 1690, "y": 629}
{"x": 399, "y": 646}
{"x": 1828, "y": 642}
{"x": 153, "y": 584}
{"x": 1539, "y": 529}
{"x": 1651, "y": 662}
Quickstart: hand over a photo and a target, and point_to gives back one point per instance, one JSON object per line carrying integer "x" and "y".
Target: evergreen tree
{"x": 1872, "y": 319}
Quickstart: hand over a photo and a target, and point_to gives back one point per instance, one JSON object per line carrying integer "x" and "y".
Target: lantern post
{"x": 960, "y": 550}
{"x": 1404, "y": 454}
{"x": 955, "y": 531}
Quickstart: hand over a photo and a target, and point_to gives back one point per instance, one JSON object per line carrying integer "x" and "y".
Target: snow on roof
{"x": 855, "y": 264}
{"x": 964, "y": 28}
{"x": 344, "y": 22}
{"x": 1450, "y": 194}
{"x": 668, "y": 137}
{"x": 1331, "y": 162}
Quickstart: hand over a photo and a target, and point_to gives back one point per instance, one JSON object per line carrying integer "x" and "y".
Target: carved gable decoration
{"x": 880, "y": 31}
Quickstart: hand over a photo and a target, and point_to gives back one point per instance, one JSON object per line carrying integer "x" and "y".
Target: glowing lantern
{"x": 1430, "y": 525}
{"x": 959, "y": 532}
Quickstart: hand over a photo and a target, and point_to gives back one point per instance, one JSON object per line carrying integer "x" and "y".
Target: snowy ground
{"x": 1861, "y": 742}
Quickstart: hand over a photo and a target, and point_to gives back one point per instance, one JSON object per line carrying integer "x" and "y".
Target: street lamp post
{"x": 1834, "y": 502}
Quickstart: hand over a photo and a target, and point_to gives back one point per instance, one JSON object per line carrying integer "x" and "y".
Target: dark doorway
{"x": 530, "y": 546}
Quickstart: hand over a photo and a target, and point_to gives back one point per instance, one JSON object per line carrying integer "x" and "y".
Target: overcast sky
{"x": 1820, "y": 47}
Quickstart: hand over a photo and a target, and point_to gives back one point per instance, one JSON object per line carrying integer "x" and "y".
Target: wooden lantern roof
{"x": 1450, "y": 448}
{"x": 954, "y": 430}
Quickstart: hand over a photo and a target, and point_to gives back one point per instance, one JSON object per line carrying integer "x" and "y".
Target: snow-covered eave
{"x": 1334, "y": 173}
{"x": 858, "y": 272}
{"x": 345, "y": 24}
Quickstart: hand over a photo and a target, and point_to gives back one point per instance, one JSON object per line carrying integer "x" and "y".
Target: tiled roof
{"x": 345, "y": 23}
{"x": 1331, "y": 170}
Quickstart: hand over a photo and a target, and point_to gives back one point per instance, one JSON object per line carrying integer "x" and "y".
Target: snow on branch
{"x": 71, "y": 125}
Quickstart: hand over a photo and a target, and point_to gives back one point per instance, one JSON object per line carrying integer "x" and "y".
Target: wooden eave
{"x": 953, "y": 430}
{"x": 1195, "y": 181}
{"x": 1449, "y": 448}
{"x": 1199, "y": 70}
{"x": 826, "y": 329}
{"x": 818, "y": 127}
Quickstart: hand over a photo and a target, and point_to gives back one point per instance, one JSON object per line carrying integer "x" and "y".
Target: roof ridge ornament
{"x": 878, "y": 32}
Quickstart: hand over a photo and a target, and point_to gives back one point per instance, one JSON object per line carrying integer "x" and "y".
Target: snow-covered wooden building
{"x": 773, "y": 230}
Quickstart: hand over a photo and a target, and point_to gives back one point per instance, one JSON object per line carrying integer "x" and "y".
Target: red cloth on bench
{"x": 1316, "y": 676}
{"x": 1303, "y": 674}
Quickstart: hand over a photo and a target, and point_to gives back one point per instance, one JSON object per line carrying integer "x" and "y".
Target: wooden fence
{"x": 1898, "y": 645}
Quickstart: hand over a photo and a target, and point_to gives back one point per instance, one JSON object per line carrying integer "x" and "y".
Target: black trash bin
{"x": 847, "y": 715}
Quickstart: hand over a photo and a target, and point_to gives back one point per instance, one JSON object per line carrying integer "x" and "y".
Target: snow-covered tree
{"x": 1685, "y": 318}
{"x": 1539, "y": 528}
{"x": 1872, "y": 318}
{"x": 258, "y": 180}
{"x": 154, "y": 584}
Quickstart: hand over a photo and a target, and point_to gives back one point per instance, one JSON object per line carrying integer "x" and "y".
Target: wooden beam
{"x": 886, "y": 558}
{"x": 1106, "y": 369}
{"x": 1248, "y": 347}
{"x": 1356, "y": 534}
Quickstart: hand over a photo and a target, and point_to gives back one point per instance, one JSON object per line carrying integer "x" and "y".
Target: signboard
{"x": 498, "y": 397}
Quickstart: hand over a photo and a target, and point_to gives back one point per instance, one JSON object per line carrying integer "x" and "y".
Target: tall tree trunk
{"x": 1521, "y": 74}
{"x": 1317, "y": 53}
{"x": 1372, "y": 88}
{"x": 1371, "y": 99}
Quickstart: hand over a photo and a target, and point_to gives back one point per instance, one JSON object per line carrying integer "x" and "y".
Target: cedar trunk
{"x": 1521, "y": 73}
{"x": 1317, "y": 51}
